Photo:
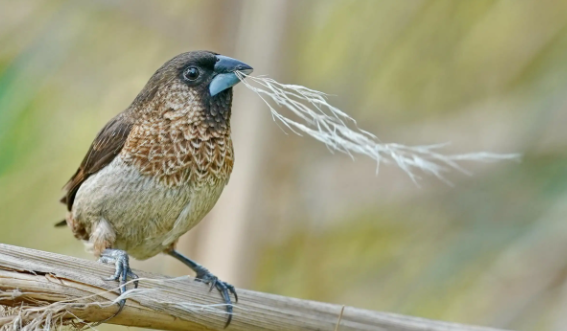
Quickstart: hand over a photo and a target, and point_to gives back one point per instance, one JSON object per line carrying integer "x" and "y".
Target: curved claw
{"x": 121, "y": 305}
{"x": 203, "y": 275}
{"x": 233, "y": 291}
{"x": 134, "y": 277}
{"x": 224, "y": 288}
{"x": 121, "y": 274}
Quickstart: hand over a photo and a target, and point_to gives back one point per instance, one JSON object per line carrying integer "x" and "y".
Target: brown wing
{"x": 107, "y": 144}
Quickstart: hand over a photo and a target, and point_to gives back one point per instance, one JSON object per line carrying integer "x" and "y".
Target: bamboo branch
{"x": 63, "y": 290}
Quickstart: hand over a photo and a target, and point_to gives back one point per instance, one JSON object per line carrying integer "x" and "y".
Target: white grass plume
{"x": 339, "y": 132}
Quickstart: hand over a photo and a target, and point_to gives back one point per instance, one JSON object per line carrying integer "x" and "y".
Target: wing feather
{"x": 106, "y": 146}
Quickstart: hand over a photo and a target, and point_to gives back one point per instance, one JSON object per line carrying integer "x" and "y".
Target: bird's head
{"x": 195, "y": 84}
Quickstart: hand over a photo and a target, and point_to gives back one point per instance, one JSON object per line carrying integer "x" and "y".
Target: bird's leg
{"x": 122, "y": 272}
{"x": 205, "y": 276}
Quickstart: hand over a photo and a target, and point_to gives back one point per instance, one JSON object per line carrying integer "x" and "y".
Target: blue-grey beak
{"x": 225, "y": 74}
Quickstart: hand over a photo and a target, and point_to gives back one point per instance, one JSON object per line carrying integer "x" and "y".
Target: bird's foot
{"x": 204, "y": 276}
{"x": 225, "y": 289}
{"x": 121, "y": 274}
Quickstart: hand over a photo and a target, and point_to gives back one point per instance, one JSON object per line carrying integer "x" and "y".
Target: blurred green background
{"x": 296, "y": 220}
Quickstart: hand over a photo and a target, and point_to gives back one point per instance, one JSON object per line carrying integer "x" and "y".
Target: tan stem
{"x": 34, "y": 282}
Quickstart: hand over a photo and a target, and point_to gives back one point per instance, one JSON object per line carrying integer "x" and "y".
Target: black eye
{"x": 191, "y": 73}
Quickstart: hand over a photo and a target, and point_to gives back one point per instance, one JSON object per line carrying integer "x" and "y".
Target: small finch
{"x": 157, "y": 168}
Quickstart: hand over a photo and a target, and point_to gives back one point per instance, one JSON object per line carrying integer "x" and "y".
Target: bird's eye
{"x": 191, "y": 73}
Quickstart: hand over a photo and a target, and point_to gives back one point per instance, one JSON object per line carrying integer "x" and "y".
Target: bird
{"x": 157, "y": 168}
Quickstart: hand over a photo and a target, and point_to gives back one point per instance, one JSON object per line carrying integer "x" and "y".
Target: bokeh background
{"x": 296, "y": 220}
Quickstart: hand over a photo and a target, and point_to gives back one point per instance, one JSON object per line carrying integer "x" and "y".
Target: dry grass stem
{"x": 45, "y": 291}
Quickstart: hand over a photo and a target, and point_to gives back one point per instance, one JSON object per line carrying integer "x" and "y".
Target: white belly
{"x": 145, "y": 215}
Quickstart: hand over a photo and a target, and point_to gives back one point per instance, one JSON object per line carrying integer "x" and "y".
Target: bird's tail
{"x": 61, "y": 223}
